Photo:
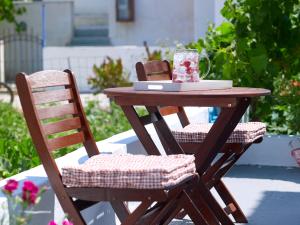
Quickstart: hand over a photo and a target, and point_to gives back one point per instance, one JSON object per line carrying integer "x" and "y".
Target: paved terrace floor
{"x": 268, "y": 195}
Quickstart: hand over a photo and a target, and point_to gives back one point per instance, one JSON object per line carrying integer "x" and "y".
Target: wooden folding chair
{"x": 190, "y": 136}
{"x": 51, "y": 106}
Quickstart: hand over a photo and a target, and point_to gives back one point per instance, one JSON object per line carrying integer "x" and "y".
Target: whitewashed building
{"x": 94, "y": 22}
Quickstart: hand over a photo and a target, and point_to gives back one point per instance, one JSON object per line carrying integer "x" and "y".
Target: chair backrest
{"x": 54, "y": 115}
{"x": 160, "y": 70}
{"x": 154, "y": 70}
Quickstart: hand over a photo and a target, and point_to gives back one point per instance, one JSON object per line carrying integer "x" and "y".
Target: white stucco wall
{"x": 91, "y": 6}
{"x": 205, "y": 13}
{"x": 156, "y": 22}
{"x": 163, "y": 22}
{"x": 58, "y": 23}
{"x": 203, "y": 16}
{"x": 218, "y": 17}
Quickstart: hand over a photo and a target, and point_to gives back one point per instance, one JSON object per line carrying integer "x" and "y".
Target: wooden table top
{"x": 234, "y": 92}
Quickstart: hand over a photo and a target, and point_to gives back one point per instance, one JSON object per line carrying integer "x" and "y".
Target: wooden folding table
{"x": 233, "y": 103}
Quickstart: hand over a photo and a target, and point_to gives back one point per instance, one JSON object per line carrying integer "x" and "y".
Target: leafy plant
{"x": 109, "y": 74}
{"x": 17, "y": 152}
{"x": 155, "y": 55}
{"x": 258, "y": 46}
{"x": 65, "y": 222}
{"x": 105, "y": 124}
{"x": 8, "y": 12}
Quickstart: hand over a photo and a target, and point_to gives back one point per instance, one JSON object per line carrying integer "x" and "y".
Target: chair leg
{"x": 204, "y": 209}
{"x": 192, "y": 210}
{"x": 173, "y": 215}
{"x": 73, "y": 213}
{"x": 166, "y": 210}
{"x": 121, "y": 209}
{"x": 207, "y": 213}
{"x": 213, "y": 204}
{"x": 226, "y": 196}
{"x": 134, "y": 217}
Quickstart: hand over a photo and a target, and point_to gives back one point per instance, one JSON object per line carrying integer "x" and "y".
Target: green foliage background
{"x": 16, "y": 148}
{"x": 17, "y": 152}
{"x": 258, "y": 46}
{"x": 109, "y": 74}
{"x": 8, "y": 12}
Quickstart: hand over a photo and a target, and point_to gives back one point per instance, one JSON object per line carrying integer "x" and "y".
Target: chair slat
{"x": 156, "y": 66}
{"x": 57, "y": 111}
{"x": 52, "y": 96}
{"x": 61, "y": 142}
{"x": 162, "y": 76}
{"x": 61, "y": 126}
{"x": 48, "y": 78}
{"x": 164, "y": 111}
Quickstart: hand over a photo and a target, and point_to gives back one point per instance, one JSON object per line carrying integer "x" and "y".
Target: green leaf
{"x": 258, "y": 59}
{"x": 226, "y": 32}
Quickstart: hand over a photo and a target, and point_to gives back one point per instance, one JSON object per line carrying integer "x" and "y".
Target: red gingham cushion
{"x": 243, "y": 133}
{"x": 130, "y": 171}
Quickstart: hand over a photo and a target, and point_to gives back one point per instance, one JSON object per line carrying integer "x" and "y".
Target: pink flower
{"x": 10, "y": 186}
{"x": 67, "y": 222}
{"x": 30, "y": 192}
{"x": 52, "y": 223}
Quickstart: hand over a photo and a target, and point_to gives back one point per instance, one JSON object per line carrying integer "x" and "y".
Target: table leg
{"x": 219, "y": 133}
{"x": 140, "y": 130}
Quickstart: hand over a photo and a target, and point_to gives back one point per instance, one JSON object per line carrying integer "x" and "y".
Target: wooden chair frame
{"x": 212, "y": 176}
{"x": 157, "y": 206}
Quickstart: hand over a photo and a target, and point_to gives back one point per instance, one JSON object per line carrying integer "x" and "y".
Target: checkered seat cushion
{"x": 130, "y": 171}
{"x": 243, "y": 133}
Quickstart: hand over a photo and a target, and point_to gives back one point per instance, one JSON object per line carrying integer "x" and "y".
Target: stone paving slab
{"x": 268, "y": 195}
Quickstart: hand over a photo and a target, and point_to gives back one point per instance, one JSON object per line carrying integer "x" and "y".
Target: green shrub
{"x": 258, "y": 46}
{"x": 109, "y": 74}
{"x": 105, "y": 124}
{"x": 17, "y": 152}
{"x": 155, "y": 55}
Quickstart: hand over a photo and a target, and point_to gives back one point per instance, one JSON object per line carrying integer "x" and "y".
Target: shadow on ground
{"x": 266, "y": 172}
{"x": 277, "y": 208}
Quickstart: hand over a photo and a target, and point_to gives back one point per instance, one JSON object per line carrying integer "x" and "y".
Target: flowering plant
{"x": 21, "y": 207}
{"x": 65, "y": 222}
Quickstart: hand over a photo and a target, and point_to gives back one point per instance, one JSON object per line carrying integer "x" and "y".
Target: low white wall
{"x": 82, "y": 59}
{"x": 58, "y": 20}
{"x": 273, "y": 151}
